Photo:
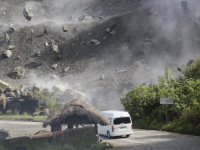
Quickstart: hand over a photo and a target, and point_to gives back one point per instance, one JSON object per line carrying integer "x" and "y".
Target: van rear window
{"x": 124, "y": 120}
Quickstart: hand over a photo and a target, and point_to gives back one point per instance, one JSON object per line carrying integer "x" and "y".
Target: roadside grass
{"x": 23, "y": 117}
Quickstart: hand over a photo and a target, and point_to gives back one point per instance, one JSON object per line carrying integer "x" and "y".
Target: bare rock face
{"x": 59, "y": 88}
{"x": 27, "y": 14}
{"x": 7, "y": 53}
{"x": 17, "y": 73}
{"x": 4, "y": 134}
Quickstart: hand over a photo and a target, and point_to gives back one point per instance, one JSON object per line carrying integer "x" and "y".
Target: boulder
{"x": 56, "y": 95}
{"x": 27, "y": 14}
{"x": 47, "y": 92}
{"x": 65, "y": 29}
{"x": 10, "y": 94}
{"x": 7, "y": 37}
{"x": 4, "y": 134}
{"x": 17, "y": 92}
{"x": 11, "y": 47}
{"x": 107, "y": 30}
{"x": 82, "y": 17}
{"x": 46, "y": 44}
{"x": 102, "y": 17}
{"x": 12, "y": 28}
{"x": 37, "y": 88}
{"x": 25, "y": 88}
{"x": 102, "y": 77}
{"x": 4, "y": 85}
{"x": 54, "y": 66}
{"x": 53, "y": 77}
{"x": 95, "y": 41}
{"x": 112, "y": 33}
{"x": 54, "y": 48}
{"x": 17, "y": 73}
{"x": 66, "y": 69}
{"x": 7, "y": 53}
{"x": 24, "y": 94}
{"x": 59, "y": 88}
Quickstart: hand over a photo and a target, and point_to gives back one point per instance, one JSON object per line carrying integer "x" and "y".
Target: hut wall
{"x": 81, "y": 137}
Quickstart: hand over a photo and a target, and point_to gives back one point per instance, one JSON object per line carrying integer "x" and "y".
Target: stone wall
{"x": 81, "y": 137}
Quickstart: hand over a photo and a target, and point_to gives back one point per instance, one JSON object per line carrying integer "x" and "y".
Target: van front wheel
{"x": 108, "y": 135}
{"x": 127, "y": 136}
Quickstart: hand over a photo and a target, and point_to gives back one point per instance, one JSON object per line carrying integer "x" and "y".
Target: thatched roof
{"x": 76, "y": 112}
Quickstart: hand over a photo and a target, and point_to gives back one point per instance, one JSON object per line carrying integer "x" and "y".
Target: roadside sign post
{"x": 166, "y": 101}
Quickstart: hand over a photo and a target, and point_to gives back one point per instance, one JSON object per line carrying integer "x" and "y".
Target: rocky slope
{"x": 116, "y": 45}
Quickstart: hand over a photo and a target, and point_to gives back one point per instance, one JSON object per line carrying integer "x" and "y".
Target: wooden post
{"x": 70, "y": 126}
{"x": 96, "y": 133}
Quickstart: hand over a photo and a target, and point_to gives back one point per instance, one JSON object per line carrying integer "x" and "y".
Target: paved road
{"x": 140, "y": 140}
{"x": 155, "y": 140}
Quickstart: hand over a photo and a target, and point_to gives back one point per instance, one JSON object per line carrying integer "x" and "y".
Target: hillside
{"x": 119, "y": 44}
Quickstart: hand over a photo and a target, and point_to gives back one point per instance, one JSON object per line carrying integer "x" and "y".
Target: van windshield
{"x": 124, "y": 120}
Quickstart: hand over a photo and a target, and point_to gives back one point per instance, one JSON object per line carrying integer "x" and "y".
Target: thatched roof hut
{"x": 76, "y": 112}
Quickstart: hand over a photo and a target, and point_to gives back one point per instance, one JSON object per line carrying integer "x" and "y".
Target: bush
{"x": 46, "y": 100}
{"x": 197, "y": 130}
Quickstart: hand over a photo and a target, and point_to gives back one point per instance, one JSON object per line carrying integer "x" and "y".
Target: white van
{"x": 120, "y": 124}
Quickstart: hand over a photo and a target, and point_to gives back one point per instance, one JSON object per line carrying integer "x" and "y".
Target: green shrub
{"x": 46, "y": 100}
{"x": 197, "y": 130}
{"x": 143, "y": 102}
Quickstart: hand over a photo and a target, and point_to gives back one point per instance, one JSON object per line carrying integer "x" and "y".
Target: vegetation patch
{"x": 24, "y": 117}
{"x": 46, "y": 100}
{"x": 143, "y": 102}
